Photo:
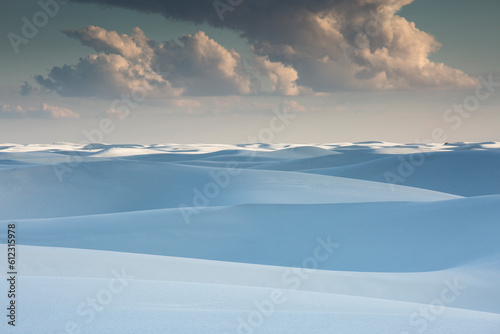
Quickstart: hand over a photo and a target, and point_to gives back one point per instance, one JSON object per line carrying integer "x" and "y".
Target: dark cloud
{"x": 26, "y": 89}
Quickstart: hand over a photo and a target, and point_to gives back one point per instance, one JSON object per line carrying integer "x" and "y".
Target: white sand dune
{"x": 388, "y": 237}
{"x": 207, "y": 237}
{"x": 179, "y": 295}
{"x": 118, "y": 185}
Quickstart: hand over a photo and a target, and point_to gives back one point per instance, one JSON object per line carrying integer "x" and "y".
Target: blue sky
{"x": 317, "y": 60}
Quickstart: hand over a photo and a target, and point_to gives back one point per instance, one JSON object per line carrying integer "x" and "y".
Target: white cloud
{"x": 283, "y": 77}
{"x": 203, "y": 66}
{"x": 359, "y": 45}
{"x": 109, "y": 42}
{"x": 186, "y": 103}
{"x": 44, "y": 111}
{"x": 193, "y": 65}
{"x": 294, "y": 107}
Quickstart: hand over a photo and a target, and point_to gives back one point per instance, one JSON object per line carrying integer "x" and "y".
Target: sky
{"x": 238, "y": 71}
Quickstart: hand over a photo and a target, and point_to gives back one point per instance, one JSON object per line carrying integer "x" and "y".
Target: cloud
{"x": 193, "y": 65}
{"x": 26, "y": 89}
{"x": 177, "y": 105}
{"x": 330, "y": 45}
{"x": 294, "y": 107}
{"x": 203, "y": 66}
{"x": 44, "y": 111}
{"x": 7, "y": 111}
{"x": 283, "y": 77}
{"x": 109, "y": 42}
{"x": 186, "y": 103}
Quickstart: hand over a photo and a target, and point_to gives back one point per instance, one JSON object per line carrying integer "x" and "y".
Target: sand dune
{"x": 254, "y": 238}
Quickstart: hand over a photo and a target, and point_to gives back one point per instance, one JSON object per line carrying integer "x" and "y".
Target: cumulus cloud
{"x": 109, "y": 42}
{"x": 193, "y": 65}
{"x": 203, "y": 66}
{"x": 44, "y": 111}
{"x": 326, "y": 45}
{"x": 283, "y": 77}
